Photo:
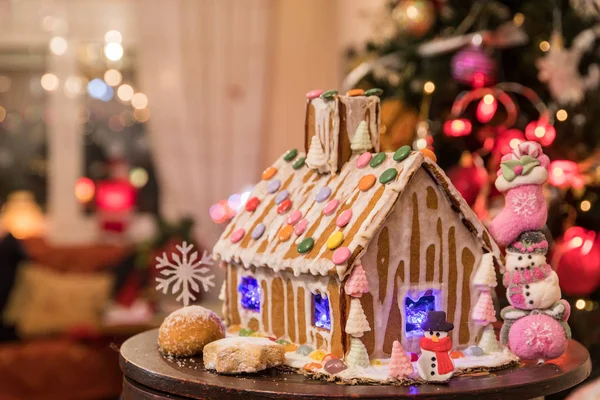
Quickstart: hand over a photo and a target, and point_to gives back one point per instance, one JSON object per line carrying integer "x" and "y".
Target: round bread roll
{"x": 186, "y": 331}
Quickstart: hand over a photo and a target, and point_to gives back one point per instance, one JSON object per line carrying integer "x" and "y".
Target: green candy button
{"x": 299, "y": 163}
{"x": 328, "y": 95}
{"x": 377, "y": 160}
{"x": 388, "y": 175}
{"x": 306, "y": 245}
{"x": 374, "y": 92}
{"x": 290, "y": 155}
{"x": 401, "y": 153}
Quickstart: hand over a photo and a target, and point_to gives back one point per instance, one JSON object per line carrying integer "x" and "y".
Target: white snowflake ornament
{"x": 183, "y": 274}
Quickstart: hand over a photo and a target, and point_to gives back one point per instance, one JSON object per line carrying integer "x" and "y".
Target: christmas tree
{"x": 486, "y": 273}
{"x": 316, "y": 158}
{"x": 488, "y": 342}
{"x": 358, "y": 355}
{"x": 356, "y": 323}
{"x": 484, "y": 312}
{"x": 357, "y": 284}
{"x": 400, "y": 365}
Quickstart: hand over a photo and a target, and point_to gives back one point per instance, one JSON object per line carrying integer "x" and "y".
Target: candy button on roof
{"x": 344, "y": 218}
{"x": 335, "y": 240}
{"x": 290, "y": 155}
{"x": 340, "y": 255}
{"x": 388, "y": 175}
{"x": 300, "y": 227}
{"x": 268, "y": 173}
{"x": 252, "y": 203}
{"x": 401, "y": 153}
{"x": 377, "y": 160}
{"x": 294, "y": 217}
{"x": 330, "y": 207}
{"x": 306, "y": 245}
{"x": 366, "y": 182}
{"x": 273, "y": 185}
{"x": 258, "y": 231}
{"x": 237, "y": 235}
{"x": 363, "y": 160}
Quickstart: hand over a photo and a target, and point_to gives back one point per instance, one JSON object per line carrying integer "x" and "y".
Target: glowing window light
{"x": 58, "y": 45}
{"x": 249, "y": 290}
{"x": 125, "y": 92}
{"x": 138, "y": 177}
{"x": 416, "y": 312}
{"x": 321, "y": 312}
{"x": 112, "y": 77}
{"x": 49, "y": 82}
{"x": 139, "y": 101}
{"x": 580, "y": 304}
{"x": 113, "y": 51}
{"x": 113, "y": 37}
{"x": 84, "y": 190}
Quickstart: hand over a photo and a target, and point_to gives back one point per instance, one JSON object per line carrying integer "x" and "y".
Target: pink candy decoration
{"x": 300, "y": 227}
{"x": 363, "y": 160}
{"x": 341, "y": 255}
{"x": 357, "y": 284}
{"x": 524, "y": 210}
{"x": 313, "y": 94}
{"x": 237, "y": 235}
{"x": 344, "y": 218}
{"x": 294, "y": 217}
{"x": 330, "y": 207}
{"x": 518, "y": 169}
{"x": 484, "y": 312}
{"x": 536, "y": 337}
{"x": 400, "y": 364}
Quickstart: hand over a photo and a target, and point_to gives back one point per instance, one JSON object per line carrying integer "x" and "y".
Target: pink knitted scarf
{"x": 525, "y": 276}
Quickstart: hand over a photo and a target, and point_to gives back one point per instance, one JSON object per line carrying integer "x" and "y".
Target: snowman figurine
{"x": 529, "y": 280}
{"x": 435, "y": 364}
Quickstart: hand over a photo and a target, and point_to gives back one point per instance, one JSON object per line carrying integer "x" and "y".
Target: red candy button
{"x": 252, "y": 203}
{"x": 284, "y": 206}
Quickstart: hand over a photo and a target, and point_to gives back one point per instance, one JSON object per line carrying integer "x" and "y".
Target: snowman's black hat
{"x": 436, "y": 321}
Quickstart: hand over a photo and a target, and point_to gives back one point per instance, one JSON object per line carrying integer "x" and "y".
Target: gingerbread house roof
{"x": 294, "y": 204}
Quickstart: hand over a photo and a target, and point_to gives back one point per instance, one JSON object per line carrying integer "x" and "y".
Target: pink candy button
{"x": 344, "y": 218}
{"x": 341, "y": 255}
{"x": 330, "y": 207}
{"x": 300, "y": 227}
{"x": 294, "y": 217}
{"x": 363, "y": 160}
{"x": 313, "y": 94}
{"x": 237, "y": 235}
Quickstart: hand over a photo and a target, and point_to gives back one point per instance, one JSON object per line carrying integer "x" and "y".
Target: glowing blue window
{"x": 321, "y": 312}
{"x": 416, "y": 312}
{"x": 249, "y": 293}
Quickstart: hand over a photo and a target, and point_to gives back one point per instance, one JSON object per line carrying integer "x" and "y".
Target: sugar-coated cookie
{"x": 186, "y": 331}
{"x": 234, "y": 355}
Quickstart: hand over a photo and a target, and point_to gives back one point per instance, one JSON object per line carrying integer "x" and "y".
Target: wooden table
{"x": 148, "y": 376}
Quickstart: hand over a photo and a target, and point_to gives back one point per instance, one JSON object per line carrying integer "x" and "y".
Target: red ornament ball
{"x": 579, "y": 262}
{"x": 473, "y": 66}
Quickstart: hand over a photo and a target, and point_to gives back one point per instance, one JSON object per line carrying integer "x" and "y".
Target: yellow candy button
{"x": 335, "y": 240}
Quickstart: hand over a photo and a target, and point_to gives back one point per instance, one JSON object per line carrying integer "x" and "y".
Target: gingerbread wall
{"x": 286, "y": 308}
{"x": 424, "y": 245}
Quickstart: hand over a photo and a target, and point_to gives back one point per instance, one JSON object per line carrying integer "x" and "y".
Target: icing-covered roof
{"x": 277, "y": 246}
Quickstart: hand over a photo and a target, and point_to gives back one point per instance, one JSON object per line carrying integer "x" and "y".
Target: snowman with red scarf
{"x": 435, "y": 364}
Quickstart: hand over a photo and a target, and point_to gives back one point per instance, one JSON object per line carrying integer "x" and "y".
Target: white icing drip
{"x": 323, "y": 112}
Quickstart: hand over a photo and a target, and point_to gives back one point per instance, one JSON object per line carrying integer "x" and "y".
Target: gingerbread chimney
{"x": 335, "y": 120}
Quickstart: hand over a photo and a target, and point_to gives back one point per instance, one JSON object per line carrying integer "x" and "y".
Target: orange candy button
{"x": 268, "y": 173}
{"x": 355, "y": 92}
{"x": 285, "y": 233}
{"x": 366, "y": 182}
{"x": 429, "y": 154}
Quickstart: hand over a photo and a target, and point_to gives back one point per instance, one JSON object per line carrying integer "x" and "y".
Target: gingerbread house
{"x": 313, "y": 221}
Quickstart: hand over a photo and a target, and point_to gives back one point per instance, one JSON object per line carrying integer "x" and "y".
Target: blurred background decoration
{"x": 127, "y": 127}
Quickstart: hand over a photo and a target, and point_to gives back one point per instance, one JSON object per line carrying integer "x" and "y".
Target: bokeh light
{"x": 113, "y": 51}
{"x": 142, "y": 115}
{"x": 562, "y": 115}
{"x": 115, "y": 124}
{"x": 139, "y": 101}
{"x": 49, "y": 82}
{"x": 84, "y": 190}
{"x": 98, "y": 89}
{"x": 113, "y": 37}
{"x": 73, "y": 86}
{"x": 125, "y": 92}
{"x": 113, "y": 77}
{"x": 58, "y": 45}
{"x": 429, "y": 87}
{"x": 138, "y": 177}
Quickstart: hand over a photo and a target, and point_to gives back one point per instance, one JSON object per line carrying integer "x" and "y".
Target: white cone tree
{"x": 315, "y": 158}
{"x": 486, "y": 273}
{"x": 357, "y": 323}
{"x": 488, "y": 342}
{"x": 358, "y": 355}
{"x": 361, "y": 141}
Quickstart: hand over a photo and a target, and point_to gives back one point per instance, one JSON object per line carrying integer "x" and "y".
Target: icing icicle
{"x": 361, "y": 141}
{"x": 357, "y": 322}
{"x": 315, "y": 158}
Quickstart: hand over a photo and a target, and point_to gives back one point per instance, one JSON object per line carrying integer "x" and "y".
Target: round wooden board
{"x": 145, "y": 369}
